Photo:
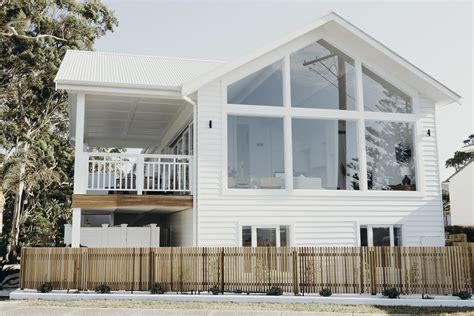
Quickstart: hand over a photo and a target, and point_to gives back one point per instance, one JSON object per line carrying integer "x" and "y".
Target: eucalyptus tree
{"x": 36, "y": 159}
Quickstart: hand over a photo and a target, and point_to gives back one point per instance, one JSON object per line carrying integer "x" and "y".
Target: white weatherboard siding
{"x": 317, "y": 220}
{"x": 461, "y": 196}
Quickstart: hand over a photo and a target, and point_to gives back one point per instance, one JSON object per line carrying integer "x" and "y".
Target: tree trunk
{"x": 12, "y": 244}
{"x": 2, "y": 208}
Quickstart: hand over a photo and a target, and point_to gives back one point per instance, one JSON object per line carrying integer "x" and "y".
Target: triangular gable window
{"x": 264, "y": 87}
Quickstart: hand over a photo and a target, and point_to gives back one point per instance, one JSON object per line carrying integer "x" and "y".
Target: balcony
{"x": 121, "y": 180}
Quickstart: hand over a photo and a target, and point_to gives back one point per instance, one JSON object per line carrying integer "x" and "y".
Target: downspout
{"x": 194, "y": 159}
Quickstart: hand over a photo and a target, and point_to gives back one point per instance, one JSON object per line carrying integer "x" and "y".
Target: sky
{"x": 436, "y": 36}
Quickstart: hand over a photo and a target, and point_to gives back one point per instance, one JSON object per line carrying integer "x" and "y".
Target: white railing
{"x": 139, "y": 172}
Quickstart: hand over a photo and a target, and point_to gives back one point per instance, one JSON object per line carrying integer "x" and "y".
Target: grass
{"x": 166, "y": 305}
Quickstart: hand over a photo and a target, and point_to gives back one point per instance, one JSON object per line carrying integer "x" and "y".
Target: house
{"x": 461, "y": 195}
{"x": 323, "y": 138}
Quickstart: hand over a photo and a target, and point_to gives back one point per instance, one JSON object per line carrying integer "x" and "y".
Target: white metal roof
{"x": 130, "y": 71}
{"x": 440, "y": 92}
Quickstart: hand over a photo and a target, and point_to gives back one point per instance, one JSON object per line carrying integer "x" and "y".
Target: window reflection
{"x": 264, "y": 87}
{"x": 325, "y": 154}
{"x": 255, "y": 153}
{"x": 390, "y": 156}
{"x": 322, "y": 77}
{"x": 382, "y": 96}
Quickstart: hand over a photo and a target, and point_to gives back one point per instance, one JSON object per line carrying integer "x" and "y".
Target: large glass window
{"x": 264, "y": 87}
{"x": 322, "y": 77}
{"x": 382, "y": 96}
{"x": 255, "y": 152}
{"x": 390, "y": 156}
{"x": 380, "y": 235}
{"x": 325, "y": 154}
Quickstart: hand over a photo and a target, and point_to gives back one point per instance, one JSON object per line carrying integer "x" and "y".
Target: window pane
{"x": 381, "y": 236}
{"x": 255, "y": 152}
{"x": 246, "y": 236}
{"x": 325, "y": 154}
{"x": 390, "y": 156}
{"x": 397, "y": 236}
{"x": 264, "y": 87}
{"x": 381, "y": 96}
{"x": 266, "y": 237}
{"x": 283, "y": 236}
{"x": 363, "y": 236}
{"x": 322, "y": 77}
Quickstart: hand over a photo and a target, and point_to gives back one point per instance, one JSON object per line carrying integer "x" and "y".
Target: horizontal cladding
{"x": 314, "y": 220}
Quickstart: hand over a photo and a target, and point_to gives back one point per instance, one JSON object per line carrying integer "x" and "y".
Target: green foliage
{"x": 325, "y": 291}
{"x": 459, "y": 160}
{"x": 275, "y": 291}
{"x": 214, "y": 290}
{"x": 464, "y": 295}
{"x": 391, "y": 293}
{"x": 468, "y": 230}
{"x": 103, "y": 288}
{"x": 45, "y": 288}
{"x": 36, "y": 161}
{"x": 157, "y": 289}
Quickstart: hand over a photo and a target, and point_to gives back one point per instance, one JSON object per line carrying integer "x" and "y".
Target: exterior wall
{"x": 323, "y": 219}
{"x": 181, "y": 225}
{"x": 461, "y": 196}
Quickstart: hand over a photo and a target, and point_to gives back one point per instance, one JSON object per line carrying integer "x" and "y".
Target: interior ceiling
{"x": 115, "y": 121}
{"x": 137, "y": 210}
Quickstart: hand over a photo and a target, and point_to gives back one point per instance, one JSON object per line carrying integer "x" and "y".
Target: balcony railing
{"x": 123, "y": 172}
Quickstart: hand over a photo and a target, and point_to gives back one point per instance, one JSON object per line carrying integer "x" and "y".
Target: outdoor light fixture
{"x": 429, "y": 132}
{"x": 210, "y": 123}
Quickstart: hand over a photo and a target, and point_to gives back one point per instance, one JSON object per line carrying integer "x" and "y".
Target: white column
{"x": 76, "y": 228}
{"x": 361, "y": 129}
{"x": 140, "y": 176}
{"x": 80, "y": 169}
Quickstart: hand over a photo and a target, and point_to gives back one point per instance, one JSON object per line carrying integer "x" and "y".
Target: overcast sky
{"x": 435, "y": 36}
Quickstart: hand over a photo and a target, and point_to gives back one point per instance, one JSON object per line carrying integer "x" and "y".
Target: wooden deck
{"x": 118, "y": 201}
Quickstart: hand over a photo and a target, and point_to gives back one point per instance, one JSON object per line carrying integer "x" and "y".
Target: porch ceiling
{"x": 117, "y": 121}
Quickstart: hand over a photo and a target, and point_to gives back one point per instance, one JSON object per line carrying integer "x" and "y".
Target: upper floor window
{"x": 382, "y": 96}
{"x": 255, "y": 152}
{"x": 322, "y": 77}
{"x": 264, "y": 87}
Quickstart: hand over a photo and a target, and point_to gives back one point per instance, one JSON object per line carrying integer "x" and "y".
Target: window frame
{"x": 370, "y": 240}
{"x": 272, "y": 226}
{"x": 287, "y": 112}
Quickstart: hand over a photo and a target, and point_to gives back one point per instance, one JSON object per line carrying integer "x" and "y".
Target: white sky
{"x": 436, "y": 36}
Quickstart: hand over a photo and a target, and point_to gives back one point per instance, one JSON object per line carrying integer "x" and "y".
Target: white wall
{"x": 322, "y": 219}
{"x": 181, "y": 226}
{"x": 461, "y": 197}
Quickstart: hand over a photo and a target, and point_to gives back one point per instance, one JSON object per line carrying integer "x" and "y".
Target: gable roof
{"x": 457, "y": 172}
{"x": 440, "y": 93}
{"x": 129, "y": 71}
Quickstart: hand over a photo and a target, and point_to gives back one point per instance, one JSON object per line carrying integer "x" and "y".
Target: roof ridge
{"x": 143, "y": 55}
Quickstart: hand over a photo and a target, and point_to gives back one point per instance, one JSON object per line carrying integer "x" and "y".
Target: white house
{"x": 324, "y": 137}
{"x": 461, "y": 195}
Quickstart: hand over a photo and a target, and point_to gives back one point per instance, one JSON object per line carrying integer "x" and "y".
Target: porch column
{"x": 80, "y": 169}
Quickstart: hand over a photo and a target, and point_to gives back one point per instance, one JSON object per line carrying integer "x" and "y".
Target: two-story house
{"x": 324, "y": 137}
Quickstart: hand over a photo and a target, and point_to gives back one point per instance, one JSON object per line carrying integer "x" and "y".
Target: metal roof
{"x": 131, "y": 71}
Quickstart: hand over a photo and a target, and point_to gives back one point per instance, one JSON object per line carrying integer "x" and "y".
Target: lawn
{"x": 164, "y": 305}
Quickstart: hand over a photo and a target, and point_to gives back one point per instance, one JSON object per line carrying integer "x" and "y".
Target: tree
{"x": 459, "y": 160}
{"x": 36, "y": 159}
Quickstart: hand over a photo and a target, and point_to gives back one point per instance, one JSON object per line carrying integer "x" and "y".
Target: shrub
{"x": 157, "y": 289}
{"x": 45, "y": 288}
{"x": 102, "y": 288}
{"x": 391, "y": 293}
{"x": 214, "y": 290}
{"x": 464, "y": 295}
{"x": 325, "y": 291}
{"x": 275, "y": 291}
{"x": 238, "y": 291}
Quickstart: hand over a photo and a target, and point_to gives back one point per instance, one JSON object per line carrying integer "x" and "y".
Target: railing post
{"x": 140, "y": 176}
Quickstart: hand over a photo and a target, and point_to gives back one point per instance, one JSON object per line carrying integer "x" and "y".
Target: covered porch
{"x": 133, "y": 155}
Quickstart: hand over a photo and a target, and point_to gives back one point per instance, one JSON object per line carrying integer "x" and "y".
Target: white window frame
{"x": 254, "y": 233}
{"x": 370, "y": 240}
{"x": 287, "y": 113}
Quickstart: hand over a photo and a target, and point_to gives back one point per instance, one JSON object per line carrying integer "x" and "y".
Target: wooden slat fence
{"x": 429, "y": 270}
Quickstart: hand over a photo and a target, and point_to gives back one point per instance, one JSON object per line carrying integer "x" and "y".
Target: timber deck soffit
{"x": 174, "y": 202}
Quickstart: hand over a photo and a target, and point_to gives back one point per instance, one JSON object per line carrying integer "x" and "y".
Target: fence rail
{"x": 429, "y": 270}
